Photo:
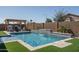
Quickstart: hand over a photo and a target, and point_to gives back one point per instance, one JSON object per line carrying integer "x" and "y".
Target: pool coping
{"x": 8, "y": 33}
{"x": 20, "y": 32}
{"x": 38, "y": 47}
{"x": 53, "y": 33}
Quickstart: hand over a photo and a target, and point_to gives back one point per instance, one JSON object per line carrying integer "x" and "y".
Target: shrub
{"x": 65, "y": 30}
{"x": 62, "y": 29}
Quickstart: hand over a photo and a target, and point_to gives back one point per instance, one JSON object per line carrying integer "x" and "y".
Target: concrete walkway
{"x": 61, "y": 44}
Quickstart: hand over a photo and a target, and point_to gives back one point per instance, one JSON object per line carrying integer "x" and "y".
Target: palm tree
{"x": 59, "y": 17}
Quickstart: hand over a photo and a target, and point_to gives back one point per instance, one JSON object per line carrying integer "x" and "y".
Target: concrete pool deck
{"x": 6, "y": 32}
{"x": 60, "y": 44}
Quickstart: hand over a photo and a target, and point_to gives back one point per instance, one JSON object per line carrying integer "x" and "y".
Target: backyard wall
{"x": 71, "y": 25}
{"x": 52, "y": 25}
{"x": 3, "y": 27}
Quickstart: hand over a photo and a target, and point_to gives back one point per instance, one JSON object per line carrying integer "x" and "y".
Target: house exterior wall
{"x": 74, "y": 18}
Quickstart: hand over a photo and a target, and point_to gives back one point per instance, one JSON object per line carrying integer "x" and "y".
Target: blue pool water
{"x": 36, "y": 39}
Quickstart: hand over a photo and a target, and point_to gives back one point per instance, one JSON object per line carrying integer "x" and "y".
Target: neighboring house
{"x": 72, "y": 17}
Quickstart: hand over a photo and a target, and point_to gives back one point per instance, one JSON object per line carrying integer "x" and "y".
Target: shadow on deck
{"x": 2, "y": 46}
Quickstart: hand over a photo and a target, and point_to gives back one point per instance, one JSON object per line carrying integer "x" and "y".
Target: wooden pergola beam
{"x": 7, "y": 21}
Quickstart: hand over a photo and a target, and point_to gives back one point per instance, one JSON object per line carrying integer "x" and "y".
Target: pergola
{"x": 15, "y": 22}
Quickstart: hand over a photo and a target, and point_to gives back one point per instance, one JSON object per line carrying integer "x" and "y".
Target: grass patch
{"x": 2, "y": 33}
{"x": 15, "y": 47}
{"x": 72, "y": 48}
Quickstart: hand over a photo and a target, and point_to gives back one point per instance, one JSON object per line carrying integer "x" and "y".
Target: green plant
{"x": 62, "y": 29}
{"x": 71, "y": 32}
{"x": 59, "y": 17}
{"x": 65, "y": 30}
{"x": 48, "y": 20}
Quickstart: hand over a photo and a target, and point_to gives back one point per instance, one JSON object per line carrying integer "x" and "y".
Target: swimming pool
{"x": 36, "y": 39}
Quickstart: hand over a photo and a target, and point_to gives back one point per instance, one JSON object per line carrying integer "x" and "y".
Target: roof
{"x": 69, "y": 14}
{"x": 15, "y": 20}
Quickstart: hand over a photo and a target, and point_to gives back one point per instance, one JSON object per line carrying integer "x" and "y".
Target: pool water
{"x": 36, "y": 39}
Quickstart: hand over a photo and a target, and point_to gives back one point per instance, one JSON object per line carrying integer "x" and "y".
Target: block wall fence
{"x": 52, "y": 25}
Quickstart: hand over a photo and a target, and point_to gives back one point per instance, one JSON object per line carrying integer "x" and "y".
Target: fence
{"x": 52, "y": 25}
{"x": 3, "y": 27}
{"x": 71, "y": 25}
{"x": 42, "y": 26}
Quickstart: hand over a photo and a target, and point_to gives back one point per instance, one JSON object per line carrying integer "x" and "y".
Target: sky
{"x": 36, "y": 13}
